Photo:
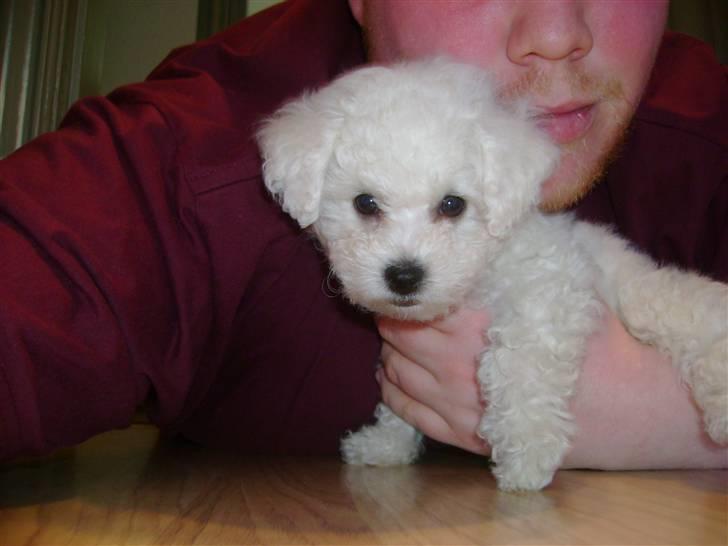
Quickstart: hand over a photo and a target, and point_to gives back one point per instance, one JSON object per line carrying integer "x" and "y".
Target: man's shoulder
{"x": 688, "y": 92}
{"x": 213, "y": 93}
{"x": 666, "y": 190}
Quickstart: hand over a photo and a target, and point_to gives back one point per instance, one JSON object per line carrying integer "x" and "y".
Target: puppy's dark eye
{"x": 366, "y": 205}
{"x": 452, "y": 206}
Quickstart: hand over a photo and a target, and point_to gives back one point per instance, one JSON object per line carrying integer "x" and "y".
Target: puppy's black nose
{"x": 404, "y": 278}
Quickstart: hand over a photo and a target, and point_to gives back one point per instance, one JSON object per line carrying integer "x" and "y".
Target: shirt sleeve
{"x": 98, "y": 267}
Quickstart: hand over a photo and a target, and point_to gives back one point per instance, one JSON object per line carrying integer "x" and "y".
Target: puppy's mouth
{"x": 404, "y": 302}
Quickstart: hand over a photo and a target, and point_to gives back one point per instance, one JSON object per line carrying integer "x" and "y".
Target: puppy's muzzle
{"x": 404, "y": 278}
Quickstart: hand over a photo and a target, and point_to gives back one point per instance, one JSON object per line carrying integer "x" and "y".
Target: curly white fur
{"x": 409, "y": 136}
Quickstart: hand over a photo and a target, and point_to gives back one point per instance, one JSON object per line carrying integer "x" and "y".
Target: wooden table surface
{"x": 127, "y": 487}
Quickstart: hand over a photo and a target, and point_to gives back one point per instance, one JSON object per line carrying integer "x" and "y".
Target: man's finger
{"x": 429, "y": 422}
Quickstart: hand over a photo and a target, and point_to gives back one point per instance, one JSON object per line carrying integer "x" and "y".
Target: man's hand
{"x": 630, "y": 407}
{"x": 429, "y": 379}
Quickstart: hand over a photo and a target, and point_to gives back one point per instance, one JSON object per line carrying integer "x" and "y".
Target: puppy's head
{"x": 410, "y": 176}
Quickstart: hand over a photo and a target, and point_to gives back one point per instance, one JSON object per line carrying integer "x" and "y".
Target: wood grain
{"x": 127, "y": 487}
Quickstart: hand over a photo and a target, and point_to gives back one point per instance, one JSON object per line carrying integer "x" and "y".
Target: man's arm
{"x": 631, "y": 410}
{"x": 95, "y": 284}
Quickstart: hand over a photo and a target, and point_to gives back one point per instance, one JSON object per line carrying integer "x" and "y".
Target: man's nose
{"x": 549, "y": 31}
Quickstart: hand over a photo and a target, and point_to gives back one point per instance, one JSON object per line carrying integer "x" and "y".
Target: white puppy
{"x": 423, "y": 192}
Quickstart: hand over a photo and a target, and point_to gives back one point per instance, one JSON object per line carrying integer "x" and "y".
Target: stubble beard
{"x": 585, "y": 160}
{"x": 563, "y": 191}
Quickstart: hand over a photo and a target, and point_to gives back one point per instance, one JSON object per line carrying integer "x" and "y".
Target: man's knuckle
{"x": 391, "y": 371}
{"x": 410, "y": 414}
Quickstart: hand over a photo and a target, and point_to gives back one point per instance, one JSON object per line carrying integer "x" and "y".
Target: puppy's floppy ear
{"x": 516, "y": 160}
{"x": 296, "y": 144}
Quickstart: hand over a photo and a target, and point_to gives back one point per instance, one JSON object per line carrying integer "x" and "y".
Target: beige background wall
{"x": 131, "y": 37}
{"x": 255, "y": 6}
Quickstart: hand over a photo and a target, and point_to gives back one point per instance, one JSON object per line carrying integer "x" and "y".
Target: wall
{"x": 54, "y": 51}
{"x": 128, "y": 38}
{"x": 255, "y": 6}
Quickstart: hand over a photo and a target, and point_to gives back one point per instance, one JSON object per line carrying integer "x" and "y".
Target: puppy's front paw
{"x": 709, "y": 384}
{"x": 526, "y": 463}
{"x": 390, "y": 441}
{"x": 718, "y": 429}
{"x": 716, "y": 419}
{"x": 517, "y": 474}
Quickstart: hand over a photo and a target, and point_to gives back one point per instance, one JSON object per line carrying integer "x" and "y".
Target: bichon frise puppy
{"x": 423, "y": 192}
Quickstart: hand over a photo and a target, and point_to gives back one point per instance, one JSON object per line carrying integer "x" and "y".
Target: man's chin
{"x": 577, "y": 175}
{"x": 561, "y": 192}
{"x": 559, "y": 195}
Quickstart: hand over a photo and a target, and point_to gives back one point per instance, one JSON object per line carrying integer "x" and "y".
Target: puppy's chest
{"x": 541, "y": 255}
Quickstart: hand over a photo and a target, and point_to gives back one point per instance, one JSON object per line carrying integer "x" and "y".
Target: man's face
{"x": 582, "y": 66}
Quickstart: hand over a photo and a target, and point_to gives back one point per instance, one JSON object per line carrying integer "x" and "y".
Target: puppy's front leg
{"x": 527, "y": 423}
{"x": 389, "y": 441}
{"x": 528, "y": 375}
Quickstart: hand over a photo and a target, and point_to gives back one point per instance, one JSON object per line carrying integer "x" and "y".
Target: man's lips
{"x": 565, "y": 123}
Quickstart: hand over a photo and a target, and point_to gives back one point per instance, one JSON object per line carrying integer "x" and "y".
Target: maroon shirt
{"x": 141, "y": 260}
